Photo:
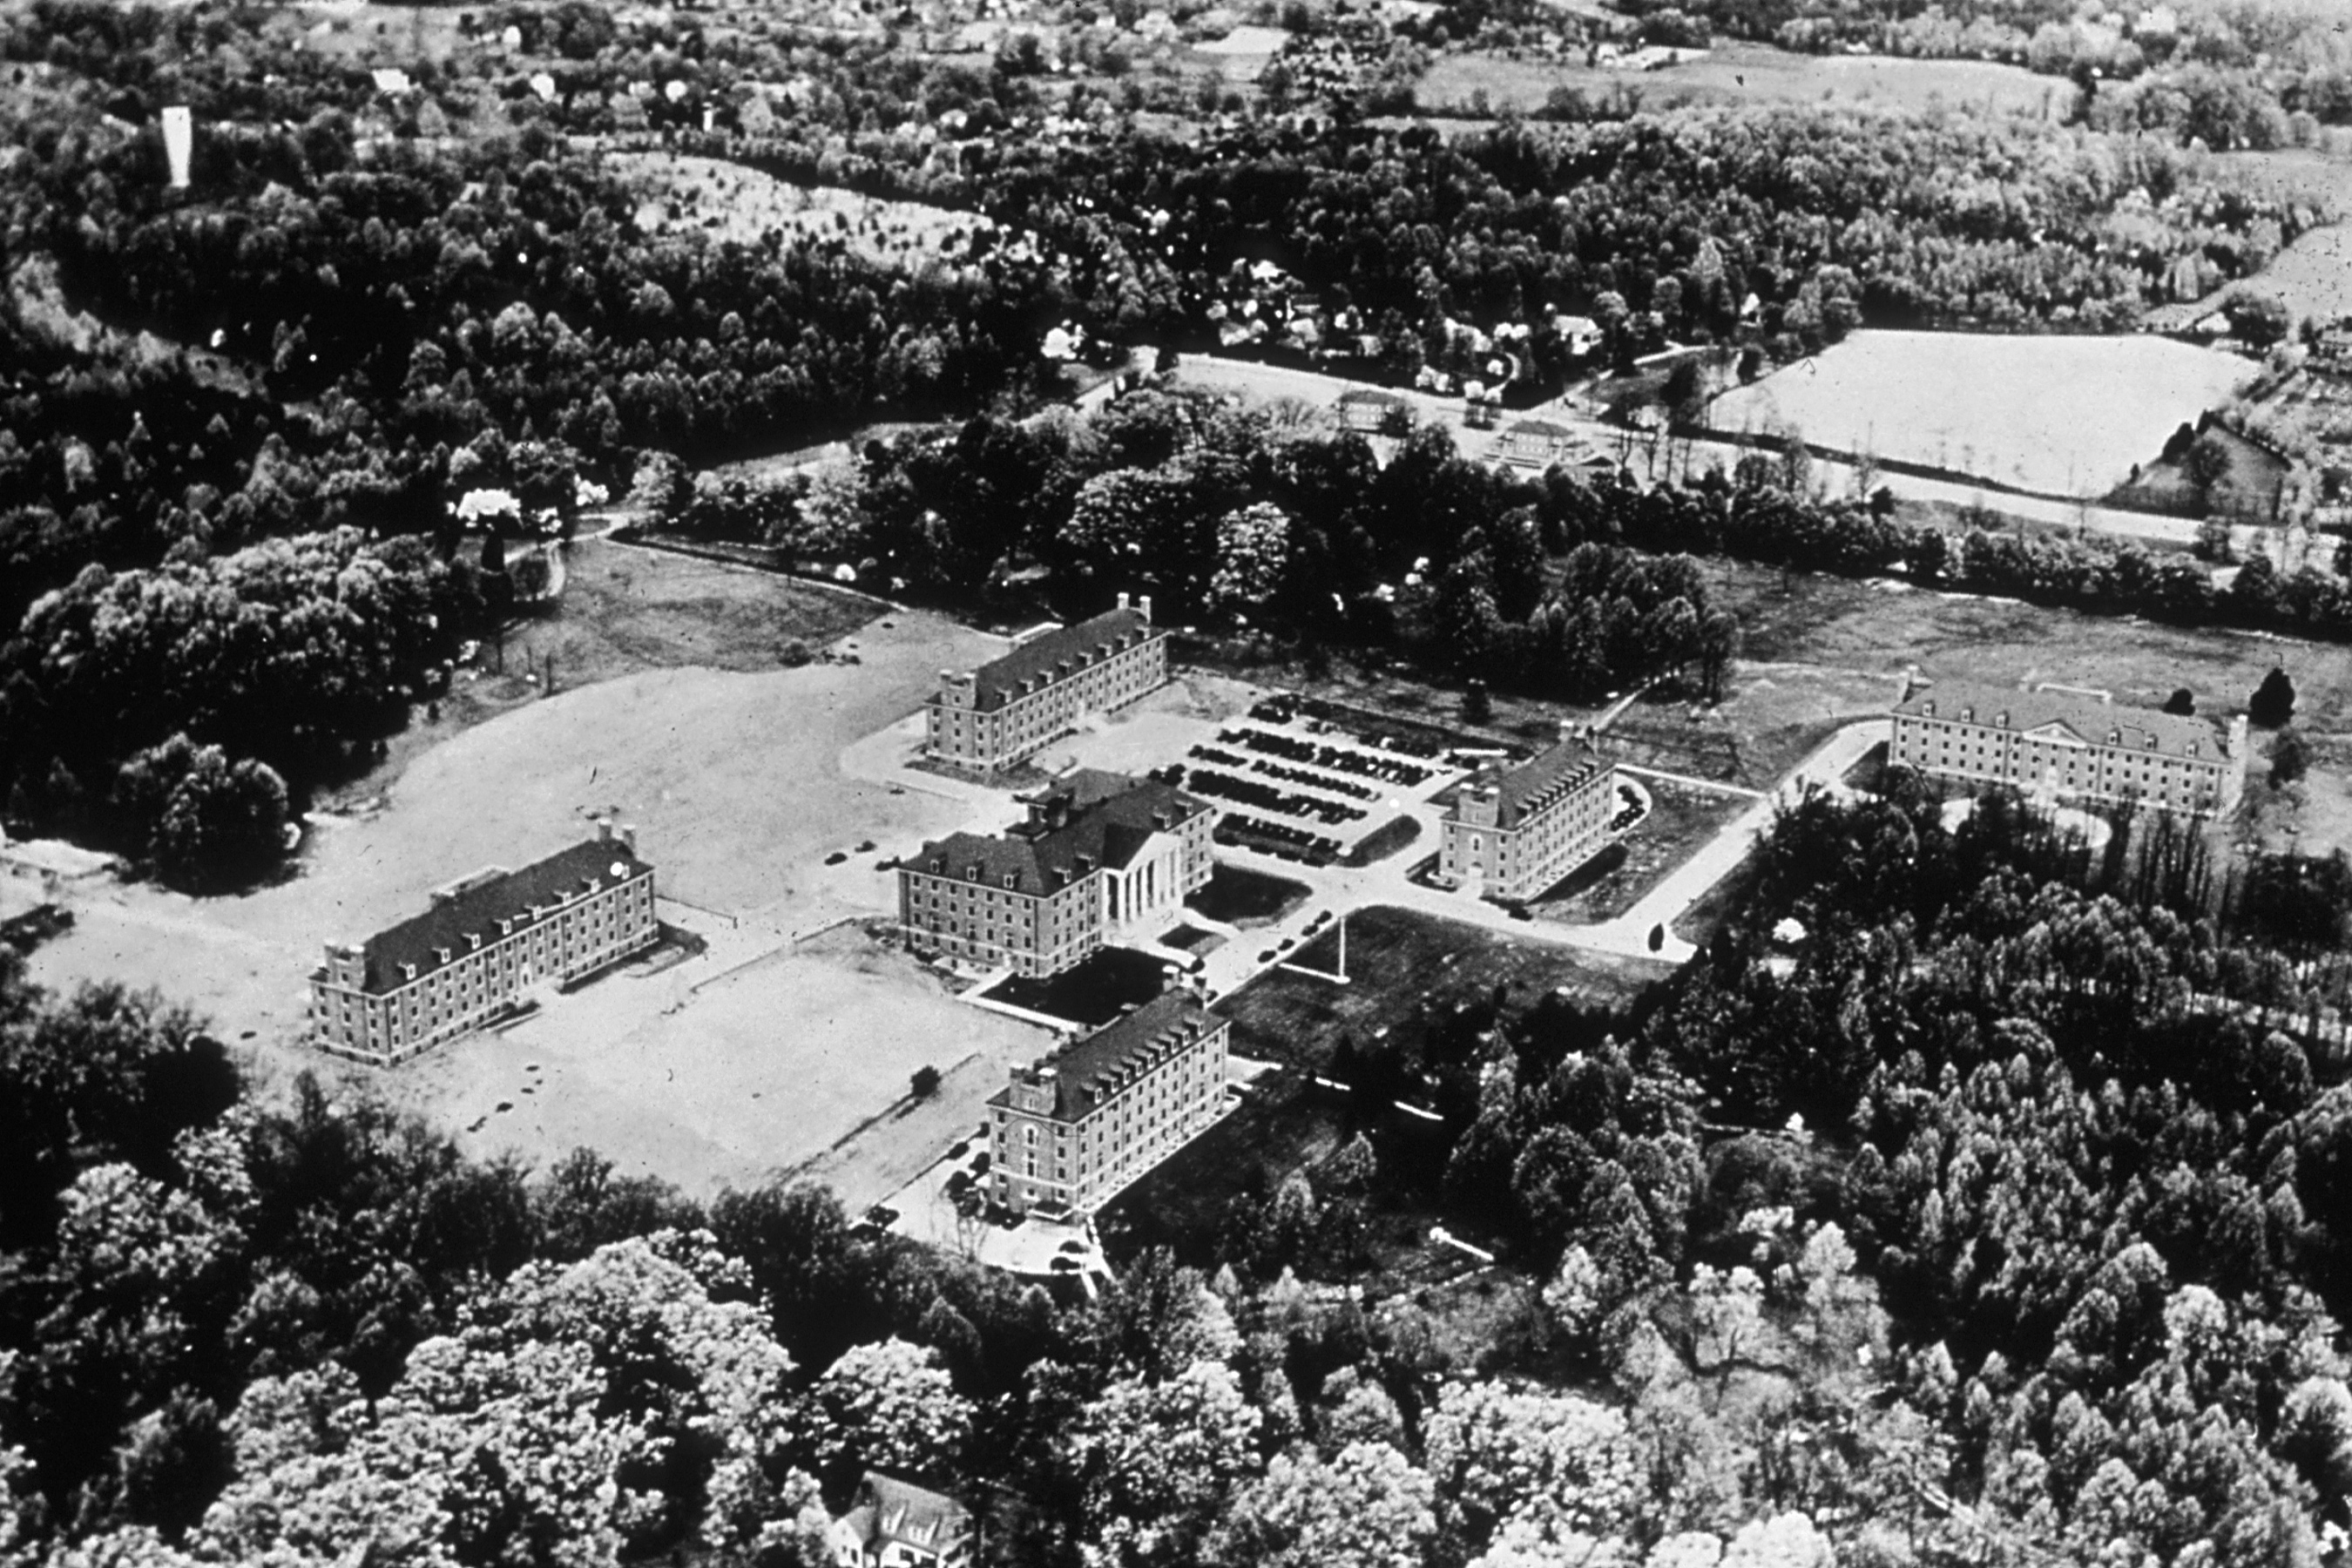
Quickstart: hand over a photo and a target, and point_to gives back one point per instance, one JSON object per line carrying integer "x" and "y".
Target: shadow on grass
{"x": 1092, "y": 993}
{"x": 1238, "y": 896}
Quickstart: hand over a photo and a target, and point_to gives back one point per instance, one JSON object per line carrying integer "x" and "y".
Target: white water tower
{"x": 179, "y": 142}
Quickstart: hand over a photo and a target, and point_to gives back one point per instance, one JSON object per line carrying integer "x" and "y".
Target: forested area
{"x": 2001, "y": 1219}
{"x": 357, "y": 318}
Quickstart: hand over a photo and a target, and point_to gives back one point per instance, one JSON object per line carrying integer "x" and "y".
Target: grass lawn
{"x": 1092, "y": 993}
{"x": 1404, "y": 966}
{"x": 2055, "y": 416}
{"x": 728, "y": 1081}
{"x": 625, "y": 610}
{"x": 1241, "y": 897}
{"x": 1826, "y": 640}
{"x": 1681, "y": 820}
{"x": 1747, "y": 73}
{"x": 1287, "y": 1124}
{"x": 684, "y": 192}
{"x": 2251, "y": 482}
{"x": 1382, "y": 842}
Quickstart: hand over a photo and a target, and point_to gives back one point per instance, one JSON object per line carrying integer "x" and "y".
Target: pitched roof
{"x": 478, "y": 906}
{"x": 1543, "y": 427}
{"x": 1087, "y": 1073}
{"x": 1042, "y": 657}
{"x": 1370, "y": 395}
{"x": 2088, "y": 718}
{"x": 1086, "y": 820}
{"x": 1524, "y": 790}
{"x": 890, "y": 1509}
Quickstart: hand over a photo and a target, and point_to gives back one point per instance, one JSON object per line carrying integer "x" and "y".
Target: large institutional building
{"x": 990, "y": 718}
{"x": 1100, "y": 854}
{"x": 1069, "y": 1132}
{"x": 481, "y": 947}
{"x": 2071, "y": 746}
{"x": 1512, "y": 832}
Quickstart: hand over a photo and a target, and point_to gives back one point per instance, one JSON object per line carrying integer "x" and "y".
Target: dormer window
{"x": 972, "y": 873}
{"x": 1010, "y": 878}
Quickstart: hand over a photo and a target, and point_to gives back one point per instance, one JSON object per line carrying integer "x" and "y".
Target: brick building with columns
{"x": 1100, "y": 854}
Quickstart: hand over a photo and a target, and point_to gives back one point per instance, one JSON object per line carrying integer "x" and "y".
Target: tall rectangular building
{"x": 2071, "y": 746}
{"x": 1099, "y": 854}
{"x": 1512, "y": 832}
{"x": 1072, "y": 1130}
{"x": 987, "y": 719}
{"x": 483, "y": 945}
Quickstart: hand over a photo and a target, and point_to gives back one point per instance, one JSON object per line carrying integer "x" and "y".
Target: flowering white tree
{"x": 1550, "y": 1463}
{"x": 890, "y": 1404}
{"x": 1369, "y": 1507}
{"x": 1155, "y": 1462}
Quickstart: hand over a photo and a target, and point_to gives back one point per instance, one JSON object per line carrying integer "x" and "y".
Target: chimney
{"x": 604, "y": 830}
{"x": 1122, "y": 601}
{"x": 1143, "y": 608}
{"x": 629, "y": 837}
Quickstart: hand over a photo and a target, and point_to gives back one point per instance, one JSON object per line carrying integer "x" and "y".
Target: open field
{"x": 1849, "y": 637}
{"x": 732, "y": 202}
{"x": 1748, "y": 73}
{"x": 624, "y": 611}
{"x": 1404, "y": 966}
{"x": 2311, "y": 276}
{"x": 2060, "y": 416}
{"x": 749, "y": 1075}
{"x": 732, "y": 777}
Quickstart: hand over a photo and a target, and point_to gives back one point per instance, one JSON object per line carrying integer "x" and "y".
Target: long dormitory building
{"x": 987, "y": 719}
{"x": 1072, "y": 1130}
{"x": 1513, "y": 832}
{"x": 483, "y": 944}
{"x": 2073, "y": 746}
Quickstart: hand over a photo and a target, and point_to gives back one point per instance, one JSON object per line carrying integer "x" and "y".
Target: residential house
{"x": 897, "y": 1524}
